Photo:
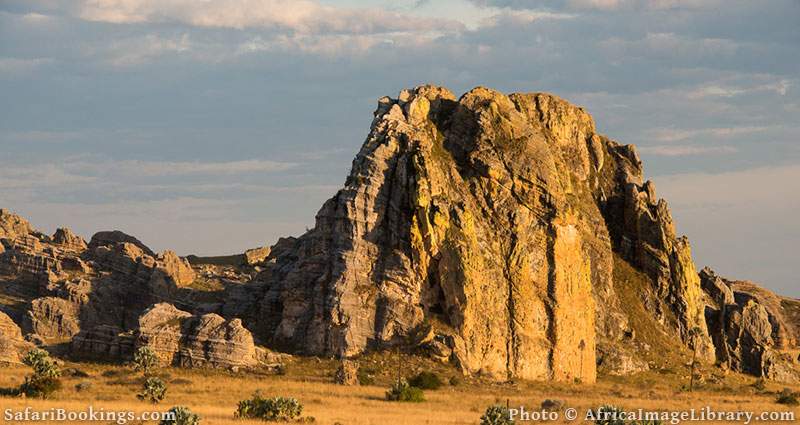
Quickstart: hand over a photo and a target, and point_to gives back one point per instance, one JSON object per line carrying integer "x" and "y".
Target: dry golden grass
{"x": 215, "y": 394}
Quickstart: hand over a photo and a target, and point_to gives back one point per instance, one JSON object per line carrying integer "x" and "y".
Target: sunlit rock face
{"x": 492, "y": 219}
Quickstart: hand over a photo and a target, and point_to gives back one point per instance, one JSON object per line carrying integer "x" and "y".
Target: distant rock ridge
{"x": 497, "y": 232}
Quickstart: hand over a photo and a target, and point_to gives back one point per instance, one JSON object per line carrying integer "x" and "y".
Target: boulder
{"x": 68, "y": 240}
{"x": 111, "y": 238}
{"x": 256, "y": 255}
{"x": 181, "y": 339}
{"x": 160, "y": 328}
{"x": 51, "y": 318}
{"x": 176, "y": 268}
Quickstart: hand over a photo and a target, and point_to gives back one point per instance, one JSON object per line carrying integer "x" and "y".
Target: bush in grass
{"x": 366, "y": 376}
{"x": 277, "y": 409}
{"x": 145, "y": 360}
{"x": 180, "y": 415}
{"x": 786, "y": 396}
{"x": 402, "y": 391}
{"x": 44, "y": 380}
{"x": 426, "y": 381}
{"x": 496, "y": 415}
{"x": 154, "y": 390}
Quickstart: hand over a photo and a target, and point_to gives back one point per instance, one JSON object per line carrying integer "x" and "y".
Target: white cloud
{"x": 139, "y": 50}
{"x": 716, "y": 89}
{"x": 686, "y": 150}
{"x": 674, "y": 135}
{"x": 304, "y": 16}
{"x": 102, "y": 171}
{"x": 21, "y": 65}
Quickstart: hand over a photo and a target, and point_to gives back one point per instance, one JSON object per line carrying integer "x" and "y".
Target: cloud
{"x": 674, "y": 135}
{"x": 779, "y": 87}
{"x": 303, "y": 16}
{"x": 87, "y": 169}
{"x": 21, "y": 65}
{"x": 742, "y": 223}
{"x": 686, "y": 150}
{"x": 137, "y": 50}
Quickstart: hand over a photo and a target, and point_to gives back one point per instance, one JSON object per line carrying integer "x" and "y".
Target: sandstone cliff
{"x": 494, "y": 217}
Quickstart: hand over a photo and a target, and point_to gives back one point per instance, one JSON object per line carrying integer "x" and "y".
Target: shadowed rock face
{"x": 752, "y": 328}
{"x": 493, "y": 217}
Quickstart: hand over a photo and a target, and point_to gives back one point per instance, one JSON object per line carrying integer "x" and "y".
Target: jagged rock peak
{"x": 12, "y": 225}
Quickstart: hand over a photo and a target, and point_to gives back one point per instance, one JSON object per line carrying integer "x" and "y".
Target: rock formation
{"x": 497, "y": 218}
{"x": 498, "y": 232}
{"x": 750, "y": 329}
{"x": 179, "y": 338}
{"x": 12, "y": 344}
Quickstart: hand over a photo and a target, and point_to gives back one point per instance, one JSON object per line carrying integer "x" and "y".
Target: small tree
{"x": 496, "y": 415}
{"x": 44, "y": 380}
{"x": 180, "y": 415}
{"x": 402, "y": 391}
{"x": 154, "y": 390}
{"x": 145, "y": 360}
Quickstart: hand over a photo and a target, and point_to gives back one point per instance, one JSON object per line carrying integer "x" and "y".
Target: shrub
{"x": 426, "y": 381}
{"x": 608, "y": 415}
{"x": 275, "y": 409}
{"x": 44, "y": 381}
{"x": 786, "y": 396}
{"x": 760, "y": 384}
{"x": 145, "y": 360}
{"x": 455, "y": 380}
{"x": 154, "y": 390}
{"x": 366, "y": 376}
{"x": 182, "y": 416}
{"x": 496, "y": 415}
{"x": 83, "y": 386}
{"x": 402, "y": 391}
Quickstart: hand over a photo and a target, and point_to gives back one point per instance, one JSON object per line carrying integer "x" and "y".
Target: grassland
{"x": 215, "y": 394}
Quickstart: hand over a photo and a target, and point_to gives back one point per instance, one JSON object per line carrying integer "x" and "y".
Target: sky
{"x": 209, "y": 126}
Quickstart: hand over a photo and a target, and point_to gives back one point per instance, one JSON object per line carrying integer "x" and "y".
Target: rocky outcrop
{"x": 116, "y": 237}
{"x": 52, "y": 318}
{"x": 750, "y": 329}
{"x": 12, "y": 344}
{"x": 12, "y": 225}
{"x": 496, "y": 216}
{"x": 68, "y": 240}
{"x": 179, "y": 338}
{"x": 256, "y": 255}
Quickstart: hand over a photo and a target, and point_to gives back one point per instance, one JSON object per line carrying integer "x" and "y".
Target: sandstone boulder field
{"x": 498, "y": 233}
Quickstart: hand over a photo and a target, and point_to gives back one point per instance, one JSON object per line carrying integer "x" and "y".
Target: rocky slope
{"x": 499, "y": 232}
